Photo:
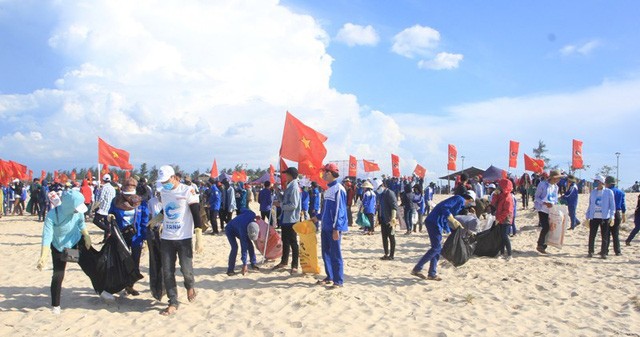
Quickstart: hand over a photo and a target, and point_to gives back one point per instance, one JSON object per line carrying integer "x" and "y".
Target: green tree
{"x": 144, "y": 171}
{"x": 539, "y": 152}
{"x": 606, "y": 170}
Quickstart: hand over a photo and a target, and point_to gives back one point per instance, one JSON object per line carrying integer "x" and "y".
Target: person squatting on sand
{"x": 334, "y": 221}
{"x": 244, "y": 228}
{"x": 546, "y": 196}
{"x": 436, "y": 223}
{"x": 599, "y": 213}
{"x": 181, "y": 209}
{"x": 63, "y": 228}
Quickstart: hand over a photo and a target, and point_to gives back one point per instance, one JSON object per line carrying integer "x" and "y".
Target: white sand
{"x": 561, "y": 294}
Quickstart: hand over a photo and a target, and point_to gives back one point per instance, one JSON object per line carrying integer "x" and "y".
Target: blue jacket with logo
{"x": 334, "y": 209}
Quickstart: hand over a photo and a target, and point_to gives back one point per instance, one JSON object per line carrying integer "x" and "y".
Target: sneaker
{"x": 508, "y": 258}
{"x": 618, "y": 254}
{"x": 107, "y": 296}
{"x": 541, "y": 250}
{"x": 384, "y": 258}
{"x": 603, "y": 256}
{"x": 590, "y": 255}
{"x": 418, "y": 274}
{"x": 434, "y": 278}
{"x": 628, "y": 243}
{"x": 56, "y": 310}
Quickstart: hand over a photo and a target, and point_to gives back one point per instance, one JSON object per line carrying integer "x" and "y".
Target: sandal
{"x": 434, "y": 278}
{"x": 192, "y": 297}
{"x": 324, "y": 282}
{"x": 279, "y": 266}
{"x": 168, "y": 311}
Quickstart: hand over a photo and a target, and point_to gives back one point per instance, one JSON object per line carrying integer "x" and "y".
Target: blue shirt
{"x": 438, "y": 216}
{"x": 334, "y": 210}
{"x": 62, "y": 226}
{"x": 545, "y": 193}
{"x": 369, "y": 202}
{"x": 237, "y": 228}
{"x": 571, "y": 196}
{"x": 606, "y": 203}
{"x": 264, "y": 199}
{"x": 314, "y": 199}
{"x": 304, "y": 199}
{"x": 215, "y": 198}
{"x": 619, "y": 199}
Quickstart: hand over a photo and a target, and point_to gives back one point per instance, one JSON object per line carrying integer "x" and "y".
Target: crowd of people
{"x": 177, "y": 211}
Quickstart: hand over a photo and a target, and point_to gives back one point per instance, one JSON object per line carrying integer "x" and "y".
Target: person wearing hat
{"x": 438, "y": 221}
{"x": 601, "y": 209}
{"x": 546, "y": 196}
{"x": 334, "y": 222}
{"x": 105, "y": 197}
{"x": 619, "y": 215}
{"x": 64, "y": 227}
{"x": 181, "y": 207}
{"x": 490, "y": 189}
{"x": 291, "y": 206}
{"x": 369, "y": 205}
{"x": 244, "y": 228}
{"x": 571, "y": 198}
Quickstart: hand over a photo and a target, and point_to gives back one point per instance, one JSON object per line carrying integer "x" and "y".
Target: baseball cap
{"x": 106, "y": 177}
{"x": 165, "y": 173}
{"x": 471, "y": 195}
{"x": 253, "y": 229}
{"x": 599, "y": 178}
{"x": 331, "y": 167}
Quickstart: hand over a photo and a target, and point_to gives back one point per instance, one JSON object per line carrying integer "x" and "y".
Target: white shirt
{"x": 178, "y": 221}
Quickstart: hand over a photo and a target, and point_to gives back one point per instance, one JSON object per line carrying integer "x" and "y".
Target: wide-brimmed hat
{"x": 367, "y": 184}
{"x": 555, "y": 174}
{"x": 572, "y": 178}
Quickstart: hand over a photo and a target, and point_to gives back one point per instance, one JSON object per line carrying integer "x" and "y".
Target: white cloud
{"x": 442, "y": 61}
{"x": 356, "y": 35}
{"x": 581, "y": 49}
{"x": 416, "y": 41}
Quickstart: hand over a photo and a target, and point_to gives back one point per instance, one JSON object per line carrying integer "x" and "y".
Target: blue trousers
{"x": 234, "y": 252}
{"x": 572, "y": 215}
{"x": 635, "y": 229}
{"x": 332, "y": 257}
{"x": 433, "y": 254}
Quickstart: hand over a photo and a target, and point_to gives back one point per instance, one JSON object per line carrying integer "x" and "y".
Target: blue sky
{"x": 187, "y": 82}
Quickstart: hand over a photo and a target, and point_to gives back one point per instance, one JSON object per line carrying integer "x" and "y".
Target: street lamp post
{"x": 462, "y": 157}
{"x": 617, "y": 167}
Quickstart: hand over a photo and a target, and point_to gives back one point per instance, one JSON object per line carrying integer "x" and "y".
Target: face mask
{"x": 167, "y": 186}
{"x": 596, "y": 183}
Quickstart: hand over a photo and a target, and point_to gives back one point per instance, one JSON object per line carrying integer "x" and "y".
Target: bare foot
{"x": 168, "y": 311}
{"x": 191, "y": 295}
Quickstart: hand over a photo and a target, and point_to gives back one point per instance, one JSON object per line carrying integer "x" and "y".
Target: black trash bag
{"x": 458, "y": 247}
{"x": 488, "y": 243}
{"x": 112, "y": 268}
{"x": 156, "y": 282}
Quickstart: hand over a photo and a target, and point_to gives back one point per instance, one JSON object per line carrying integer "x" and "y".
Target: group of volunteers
{"x": 172, "y": 216}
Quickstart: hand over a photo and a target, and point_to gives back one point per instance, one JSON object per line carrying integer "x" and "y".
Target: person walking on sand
{"x": 619, "y": 215}
{"x": 599, "y": 213}
{"x": 571, "y": 198}
{"x": 636, "y": 222}
{"x": 334, "y": 222}
{"x": 291, "y": 207}
{"x": 387, "y": 218}
{"x": 181, "y": 207}
{"x": 64, "y": 227}
{"x": 438, "y": 221}
{"x": 546, "y": 196}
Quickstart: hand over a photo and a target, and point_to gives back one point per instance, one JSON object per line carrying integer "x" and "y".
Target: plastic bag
{"x": 308, "y": 246}
{"x": 558, "y": 220}
{"x": 488, "y": 243}
{"x": 458, "y": 247}
{"x": 274, "y": 242}
{"x": 362, "y": 220}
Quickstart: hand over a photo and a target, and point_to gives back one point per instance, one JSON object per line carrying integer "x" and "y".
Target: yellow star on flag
{"x": 114, "y": 154}
{"x": 306, "y": 142}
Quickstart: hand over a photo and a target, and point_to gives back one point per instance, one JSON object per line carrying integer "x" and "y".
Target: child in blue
{"x": 244, "y": 228}
{"x": 436, "y": 223}
{"x": 334, "y": 221}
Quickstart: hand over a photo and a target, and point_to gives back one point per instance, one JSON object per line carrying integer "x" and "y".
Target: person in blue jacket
{"x": 601, "y": 209}
{"x": 131, "y": 218}
{"x": 438, "y": 221}
{"x": 333, "y": 219}
{"x": 619, "y": 215}
{"x": 314, "y": 199}
{"x": 215, "y": 199}
{"x": 571, "y": 198}
{"x": 244, "y": 228}
{"x": 265, "y": 199}
{"x": 241, "y": 198}
{"x": 369, "y": 205}
{"x": 304, "y": 203}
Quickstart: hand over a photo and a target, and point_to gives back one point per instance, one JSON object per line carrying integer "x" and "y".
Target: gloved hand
{"x": 586, "y": 222}
{"x": 111, "y": 217}
{"x": 44, "y": 252}
{"x": 87, "y": 238}
{"x": 611, "y": 223}
{"x": 199, "y": 248}
{"x": 453, "y": 222}
{"x": 624, "y": 218}
{"x": 394, "y": 218}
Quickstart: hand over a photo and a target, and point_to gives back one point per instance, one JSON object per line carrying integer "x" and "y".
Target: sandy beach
{"x": 564, "y": 293}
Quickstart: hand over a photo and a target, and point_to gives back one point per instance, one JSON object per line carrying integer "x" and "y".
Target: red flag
{"x": 532, "y": 164}
{"x": 18, "y": 170}
{"x": 513, "y": 153}
{"x": 73, "y": 175}
{"x": 313, "y": 171}
{"x": 420, "y": 171}
{"x": 109, "y": 155}
{"x": 300, "y": 142}
{"x": 576, "y": 160}
{"x": 353, "y": 166}
{"x": 105, "y": 170}
{"x": 43, "y": 175}
{"x": 370, "y": 166}
{"x": 453, "y": 156}
{"x": 395, "y": 165}
{"x": 127, "y": 174}
{"x": 55, "y": 176}
{"x": 89, "y": 176}
{"x": 64, "y": 178}
{"x": 5, "y": 175}
{"x": 283, "y": 167}
{"x": 116, "y": 178}
{"x": 272, "y": 174}
{"x": 30, "y": 175}
{"x": 214, "y": 170}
